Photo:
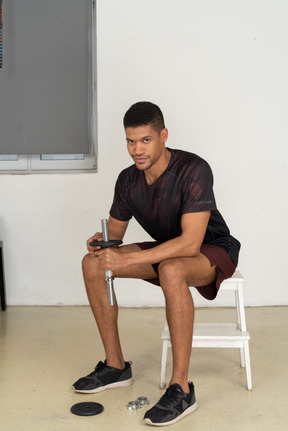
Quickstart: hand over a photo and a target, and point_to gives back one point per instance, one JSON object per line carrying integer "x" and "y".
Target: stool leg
{"x": 239, "y": 300}
{"x": 163, "y": 364}
{"x": 242, "y": 357}
{"x": 248, "y": 365}
{"x": 240, "y": 307}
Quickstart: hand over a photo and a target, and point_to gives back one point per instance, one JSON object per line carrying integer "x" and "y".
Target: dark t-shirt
{"x": 186, "y": 186}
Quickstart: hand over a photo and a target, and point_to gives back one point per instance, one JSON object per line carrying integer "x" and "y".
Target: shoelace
{"x": 171, "y": 395}
{"x": 99, "y": 369}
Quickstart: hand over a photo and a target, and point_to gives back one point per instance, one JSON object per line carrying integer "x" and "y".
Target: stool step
{"x": 215, "y": 335}
{"x": 215, "y": 330}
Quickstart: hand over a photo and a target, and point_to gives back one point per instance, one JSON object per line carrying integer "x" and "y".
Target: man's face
{"x": 145, "y": 145}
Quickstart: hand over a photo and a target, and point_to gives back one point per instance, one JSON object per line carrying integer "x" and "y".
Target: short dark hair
{"x": 143, "y": 114}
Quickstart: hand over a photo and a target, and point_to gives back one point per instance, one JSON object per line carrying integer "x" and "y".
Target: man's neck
{"x": 157, "y": 170}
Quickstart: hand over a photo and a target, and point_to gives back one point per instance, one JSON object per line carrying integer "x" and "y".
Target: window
{"x": 48, "y": 86}
{"x": 43, "y": 162}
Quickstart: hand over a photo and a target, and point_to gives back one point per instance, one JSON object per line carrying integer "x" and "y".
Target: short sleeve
{"x": 197, "y": 189}
{"x": 119, "y": 209}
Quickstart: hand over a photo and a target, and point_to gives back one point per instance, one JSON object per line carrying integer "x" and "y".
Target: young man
{"x": 170, "y": 194}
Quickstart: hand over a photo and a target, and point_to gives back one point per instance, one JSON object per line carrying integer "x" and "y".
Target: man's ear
{"x": 164, "y": 134}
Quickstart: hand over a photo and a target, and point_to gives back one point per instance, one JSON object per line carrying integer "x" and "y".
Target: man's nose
{"x": 138, "y": 148}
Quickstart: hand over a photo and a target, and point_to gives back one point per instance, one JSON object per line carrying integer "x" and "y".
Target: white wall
{"x": 218, "y": 69}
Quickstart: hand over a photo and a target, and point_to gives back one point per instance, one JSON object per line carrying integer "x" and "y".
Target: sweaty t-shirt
{"x": 186, "y": 186}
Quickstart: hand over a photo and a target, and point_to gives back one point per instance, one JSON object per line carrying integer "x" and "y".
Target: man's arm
{"x": 117, "y": 228}
{"x": 188, "y": 244}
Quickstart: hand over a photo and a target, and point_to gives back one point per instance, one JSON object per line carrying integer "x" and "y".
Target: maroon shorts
{"x": 217, "y": 257}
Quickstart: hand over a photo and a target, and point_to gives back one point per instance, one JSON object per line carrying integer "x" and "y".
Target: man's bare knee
{"x": 90, "y": 266}
{"x": 86, "y": 261}
{"x": 170, "y": 272}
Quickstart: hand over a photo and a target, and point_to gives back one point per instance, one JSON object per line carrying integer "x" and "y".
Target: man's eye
{"x": 146, "y": 141}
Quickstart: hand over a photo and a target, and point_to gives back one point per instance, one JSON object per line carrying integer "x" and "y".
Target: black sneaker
{"x": 172, "y": 406}
{"x": 104, "y": 377}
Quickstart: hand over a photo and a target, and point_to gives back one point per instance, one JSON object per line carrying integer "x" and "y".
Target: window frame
{"x": 33, "y": 164}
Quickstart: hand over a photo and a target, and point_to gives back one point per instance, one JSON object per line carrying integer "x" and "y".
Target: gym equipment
{"x": 87, "y": 409}
{"x": 137, "y": 404}
{"x": 108, "y": 273}
{"x": 133, "y": 405}
{"x": 143, "y": 400}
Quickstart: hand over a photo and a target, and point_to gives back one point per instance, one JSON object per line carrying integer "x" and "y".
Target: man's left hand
{"x": 111, "y": 258}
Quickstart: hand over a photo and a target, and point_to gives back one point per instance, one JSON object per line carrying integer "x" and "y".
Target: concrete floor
{"x": 43, "y": 350}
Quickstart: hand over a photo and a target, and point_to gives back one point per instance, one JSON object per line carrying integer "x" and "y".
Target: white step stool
{"x": 233, "y": 335}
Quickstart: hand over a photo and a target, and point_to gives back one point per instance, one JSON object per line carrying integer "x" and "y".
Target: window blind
{"x": 45, "y": 81}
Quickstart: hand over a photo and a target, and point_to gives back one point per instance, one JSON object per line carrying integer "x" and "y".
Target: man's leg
{"x": 176, "y": 275}
{"x": 114, "y": 371}
{"x": 105, "y": 315}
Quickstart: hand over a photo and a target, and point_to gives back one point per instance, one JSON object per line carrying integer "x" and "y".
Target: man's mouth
{"x": 140, "y": 159}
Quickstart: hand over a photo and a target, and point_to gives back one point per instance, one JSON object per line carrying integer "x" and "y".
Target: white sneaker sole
{"x": 103, "y": 388}
{"x": 185, "y": 413}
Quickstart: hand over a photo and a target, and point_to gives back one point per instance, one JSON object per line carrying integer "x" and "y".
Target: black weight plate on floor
{"x": 87, "y": 409}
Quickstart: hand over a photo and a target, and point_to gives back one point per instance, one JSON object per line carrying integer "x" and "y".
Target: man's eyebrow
{"x": 144, "y": 137}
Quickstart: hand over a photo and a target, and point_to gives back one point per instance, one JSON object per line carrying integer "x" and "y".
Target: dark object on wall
{"x": 2, "y": 279}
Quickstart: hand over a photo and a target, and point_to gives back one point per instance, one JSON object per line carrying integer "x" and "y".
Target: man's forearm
{"x": 188, "y": 244}
{"x": 177, "y": 247}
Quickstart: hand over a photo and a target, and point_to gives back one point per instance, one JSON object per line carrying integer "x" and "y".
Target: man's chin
{"x": 143, "y": 167}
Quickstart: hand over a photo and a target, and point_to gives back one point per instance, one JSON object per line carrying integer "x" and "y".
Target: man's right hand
{"x": 98, "y": 236}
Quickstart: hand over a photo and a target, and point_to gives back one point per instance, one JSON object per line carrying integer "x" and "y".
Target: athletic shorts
{"x": 217, "y": 257}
